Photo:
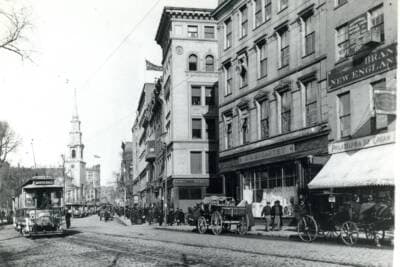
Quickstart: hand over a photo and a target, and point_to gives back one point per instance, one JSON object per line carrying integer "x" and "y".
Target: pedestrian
{"x": 266, "y": 213}
{"x": 276, "y": 214}
{"x": 249, "y": 212}
{"x": 68, "y": 216}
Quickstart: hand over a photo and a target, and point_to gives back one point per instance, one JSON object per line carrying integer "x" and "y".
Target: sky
{"x": 97, "y": 47}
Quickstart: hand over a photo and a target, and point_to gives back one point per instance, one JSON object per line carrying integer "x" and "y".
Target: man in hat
{"x": 276, "y": 213}
{"x": 266, "y": 213}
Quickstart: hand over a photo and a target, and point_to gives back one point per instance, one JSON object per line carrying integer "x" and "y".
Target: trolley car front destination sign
{"x": 44, "y": 182}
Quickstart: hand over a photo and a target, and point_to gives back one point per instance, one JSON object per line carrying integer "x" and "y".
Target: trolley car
{"x": 39, "y": 207}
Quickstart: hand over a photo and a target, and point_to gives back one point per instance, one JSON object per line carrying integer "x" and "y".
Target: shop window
{"x": 209, "y": 94}
{"x": 228, "y": 33}
{"x": 193, "y": 31}
{"x": 311, "y": 103}
{"x": 192, "y": 63}
{"x": 189, "y": 193}
{"x": 196, "y": 95}
{"x": 195, "y": 162}
{"x": 209, "y": 63}
{"x": 210, "y": 124}
{"x": 342, "y": 42}
{"x": 209, "y": 32}
{"x": 344, "y": 115}
{"x": 262, "y": 58}
{"x": 243, "y": 21}
{"x": 196, "y": 128}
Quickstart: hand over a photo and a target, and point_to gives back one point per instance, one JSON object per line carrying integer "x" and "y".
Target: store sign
{"x": 385, "y": 102}
{"x": 364, "y": 142}
{"x": 190, "y": 182}
{"x": 46, "y": 182}
{"x": 380, "y": 60}
{"x": 266, "y": 154}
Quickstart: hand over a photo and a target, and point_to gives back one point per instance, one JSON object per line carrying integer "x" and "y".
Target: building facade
{"x": 92, "y": 192}
{"x": 273, "y": 110}
{"x": 189, "y": 141}
{"x": 140, "y": 170}
{"x": 126, "y": 167}
{"x": 362, "y": 51}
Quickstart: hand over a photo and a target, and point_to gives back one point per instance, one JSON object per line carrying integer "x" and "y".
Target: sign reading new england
{"x": 380, "y": 60}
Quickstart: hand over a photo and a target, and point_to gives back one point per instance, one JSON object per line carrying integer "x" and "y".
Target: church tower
{"x": 75, "y": 166}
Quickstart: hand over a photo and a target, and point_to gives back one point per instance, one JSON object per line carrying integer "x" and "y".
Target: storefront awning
{"x": 364, "y": 167}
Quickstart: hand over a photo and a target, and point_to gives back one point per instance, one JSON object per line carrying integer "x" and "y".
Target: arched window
{"x": 209, "y": 63}
{"x": 73, "y": 153}
{"x": 192, "y": 63}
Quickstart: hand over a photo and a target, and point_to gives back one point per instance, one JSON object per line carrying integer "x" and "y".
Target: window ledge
{"x": 282, "y": 67}
{"x": 244, "y": 86}
{"x": 262, "y": 77}
{"x": 242, "y": 37}
{"x": 228, "y": 94}
{"x": 309, "y": 54}
{"x": 339, "y": 6}
{"x": 340, "y": 61}
{"x": 283, "y": 9}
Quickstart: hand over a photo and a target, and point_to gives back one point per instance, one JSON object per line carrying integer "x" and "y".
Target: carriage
{"x": 218, "y": 214}
{"x": 39, "y": 207}
{"x": 336, "y": 215}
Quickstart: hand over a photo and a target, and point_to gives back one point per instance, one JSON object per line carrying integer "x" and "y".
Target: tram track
{"x": 223, "y": 250}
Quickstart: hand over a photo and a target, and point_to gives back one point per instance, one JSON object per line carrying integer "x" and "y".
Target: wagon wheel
{"x": 242, "y": 226}
{"x": 216, "y": 223}
{"x": 307, "y": 229}
{"x": 202, "y": 225}
{"x": 349, "y": 233}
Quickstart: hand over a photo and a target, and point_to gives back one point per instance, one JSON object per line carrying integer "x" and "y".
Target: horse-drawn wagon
{"x": 218, "y": 214}
{"x": 336, "y": 215}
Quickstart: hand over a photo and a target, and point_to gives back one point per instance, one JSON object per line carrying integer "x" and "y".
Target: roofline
{"x": 221, "y": 7}
{"x": 163, "y": 17}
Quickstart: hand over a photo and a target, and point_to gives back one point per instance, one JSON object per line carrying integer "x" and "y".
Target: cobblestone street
{"x": 95, "y": 243}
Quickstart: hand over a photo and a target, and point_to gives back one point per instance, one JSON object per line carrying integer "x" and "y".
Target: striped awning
{"x": 365, "y": 167}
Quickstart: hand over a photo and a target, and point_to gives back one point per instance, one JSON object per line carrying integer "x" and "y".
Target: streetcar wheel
{"x": 201, "y": 225}
{"x": 307, "y": 229}
{"x": 216, "y": 223}
{"x": 349, "y": 233}
{"x": 242, "y": 226}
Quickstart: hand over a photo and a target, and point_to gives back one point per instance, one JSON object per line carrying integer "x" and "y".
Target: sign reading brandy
{"x": 377, "y": 61}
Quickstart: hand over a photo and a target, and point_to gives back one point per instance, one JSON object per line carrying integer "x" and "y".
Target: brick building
{"x": 362, "y": 51}
{"x": 273, "y": 113}
{"x": 188, "y": 40}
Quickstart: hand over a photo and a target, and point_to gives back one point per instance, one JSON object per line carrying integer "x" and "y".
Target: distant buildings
{"x": 93, "y": 184}
{"x": 126, "y": 173}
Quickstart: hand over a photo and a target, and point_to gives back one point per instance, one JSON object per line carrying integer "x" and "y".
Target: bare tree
{"x": 8, "y": 141}
{"x": 14, "y": 24}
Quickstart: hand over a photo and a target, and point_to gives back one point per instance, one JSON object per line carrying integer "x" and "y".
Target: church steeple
{"x": 75, "y": 109}
{"x": 75, "y": 145}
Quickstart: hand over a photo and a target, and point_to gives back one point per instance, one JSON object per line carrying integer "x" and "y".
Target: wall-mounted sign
{"x": 377, "y": 61}
{"x": 190, "y": 182}
{"x": 44, "y": 182}
{"x": 266, "y": 154}
{"x": 364, "y": 142}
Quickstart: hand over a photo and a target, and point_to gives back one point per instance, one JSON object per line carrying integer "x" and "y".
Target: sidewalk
{"x": 257, "y": 230}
